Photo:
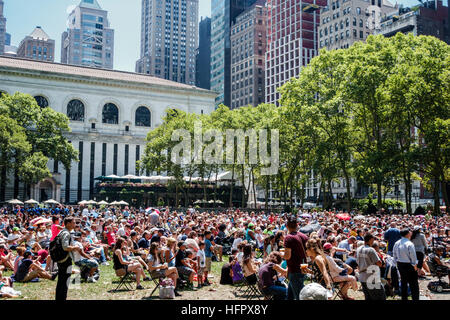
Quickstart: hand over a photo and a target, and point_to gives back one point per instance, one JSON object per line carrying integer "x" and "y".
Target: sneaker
{"x": 177, "y": 294}
{"x": 139, "y": 287}
{"x": 106, "y": 263}
{"x": 190, "y": 287}
{"x": 199, "y": 286}
{"x": 91, "y": 280}
{"x": 206, "y": 283}
{"x": 147, "y": 279}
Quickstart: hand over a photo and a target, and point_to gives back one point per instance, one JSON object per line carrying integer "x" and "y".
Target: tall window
{"x": 143, "y": 117}
{"x": 75, "y": 110}
{"x": 41, "y": 101}
{"x": 110, "y": 114}
{"x": 104, "y": 159}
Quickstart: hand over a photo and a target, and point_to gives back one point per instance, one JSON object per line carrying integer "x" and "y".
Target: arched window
{"x": 354, "y": 22}
{"x": 41, "y": 101}
{"x": 143, "y": 117}
{"x": 361, "y": 24}
{"x": 358, "y": 10}
{"x": 110, "y": 114}
{"x": 75, "y": 110}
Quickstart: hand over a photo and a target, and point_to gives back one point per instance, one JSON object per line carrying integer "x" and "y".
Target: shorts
{"x": 208, "y": 264}
{"x": 156, "y": 274}
{"x": 185, "y": 270}
{"x": 88, "y": 263}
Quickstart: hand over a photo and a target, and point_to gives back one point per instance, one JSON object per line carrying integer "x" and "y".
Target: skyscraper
{"x": 223, "y": 14}
{"x": 169, "y": 39}
{"x": 292, "y": 40}
{"x": 344, "y": 22}
{"x": 37, "y": 46}
{"x": 2, "y": 29}
{"x": 248, "y": 49}
{"x": 203, "y": 57}
{"x": 88, "y": 41}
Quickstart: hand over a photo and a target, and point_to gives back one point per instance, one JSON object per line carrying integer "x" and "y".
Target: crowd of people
{"x": 382, "y": 254}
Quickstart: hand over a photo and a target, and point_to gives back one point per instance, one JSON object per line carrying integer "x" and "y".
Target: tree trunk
{"x": 349, "y": 195}
{"x": 436, "y": 195}
{"x": 231, "y": 187}
{"x": 243, "y": 187}
{"x": 254, "y": 186}
{"x": 379, "y": 195}
{"x": 445, "y": 194}
{"x": 267, "y": 193}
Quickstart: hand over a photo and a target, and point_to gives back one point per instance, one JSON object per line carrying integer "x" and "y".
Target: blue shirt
{"x": 405, "y": 252}
{"x": 392, "y": 235}
{"x": 208, "y": 252}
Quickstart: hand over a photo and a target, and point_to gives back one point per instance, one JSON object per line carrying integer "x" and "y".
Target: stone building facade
{"x": 110, "y": 114}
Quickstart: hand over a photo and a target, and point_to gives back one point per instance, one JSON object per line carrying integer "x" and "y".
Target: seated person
{"x": 319, "y": 264}
{"x": 122, "y": 266}
{"x": 83, "y": 260}
{"x": 159, "y": 270}
{"x": 269, "y": 272}
{"x": 29, "y": 269}
{"x": 6, "y": 282}
{"x": 6, "y": 258}
{"x": 435, "y": 259}
{"x": 339, "y": 274}
{"x": 134, "y": 247}
{"x": 248, "y": 265}
{"x": 226, "y": 275}
{"x": 183, "y": 265}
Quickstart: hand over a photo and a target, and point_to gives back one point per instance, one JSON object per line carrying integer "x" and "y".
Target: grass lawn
{"x": 45, "y": 289}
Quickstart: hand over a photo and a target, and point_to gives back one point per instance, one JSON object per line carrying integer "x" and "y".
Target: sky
{"x": 124, "y": 16}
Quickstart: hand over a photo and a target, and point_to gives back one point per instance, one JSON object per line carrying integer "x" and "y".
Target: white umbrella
{"x": 103, "y": 202}
{"x": 359, "y": 217}
{"x": 42, "y": 220}
{"x": 123, "y": 203}
{"x": 130, "y": 177}
{"x": 31, "y": 201}
{"x": 51, "y": 201}
{"x": 15, "y": 201}
{"x": 82, "y": 202}
{"x": 91, "y": 202}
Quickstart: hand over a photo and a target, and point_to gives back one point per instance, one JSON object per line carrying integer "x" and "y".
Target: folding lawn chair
{"x": 157, "y": 282}
{"x": 124, "y": 283}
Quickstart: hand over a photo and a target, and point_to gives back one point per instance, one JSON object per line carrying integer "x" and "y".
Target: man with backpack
{"x": 61, "y": 251}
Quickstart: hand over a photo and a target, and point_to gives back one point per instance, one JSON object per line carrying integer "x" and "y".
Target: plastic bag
{"x": 167, "y": 292}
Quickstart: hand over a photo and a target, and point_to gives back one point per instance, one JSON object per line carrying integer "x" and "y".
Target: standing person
{"x": 295, "y": 255}
{"x": 406, "y": 260}
{"x": 154, "y": 217}
{"x": 420, "y": 245}
{"x": 369, "y": 272}
{"x": 392, "y": 235}
{"x": 209, "y": 247}
{"x": 65, "y": 265}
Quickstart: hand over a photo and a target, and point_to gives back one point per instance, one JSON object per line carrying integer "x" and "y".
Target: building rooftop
{"x": 93, "y": 4}
{"x": 90, "y": 72}
{"x": 39, "y": 34}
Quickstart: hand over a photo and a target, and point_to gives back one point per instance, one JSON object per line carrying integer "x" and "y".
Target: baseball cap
{"x": 327, "y": 246}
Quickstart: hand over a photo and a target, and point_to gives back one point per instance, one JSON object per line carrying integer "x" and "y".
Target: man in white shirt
{"x": 406, "y": 259}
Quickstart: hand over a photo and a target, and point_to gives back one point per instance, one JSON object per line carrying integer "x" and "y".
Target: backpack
{"x": 57, "y": 253}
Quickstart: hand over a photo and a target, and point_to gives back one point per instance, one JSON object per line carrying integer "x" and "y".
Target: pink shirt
{"x": 55, "y": 231}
